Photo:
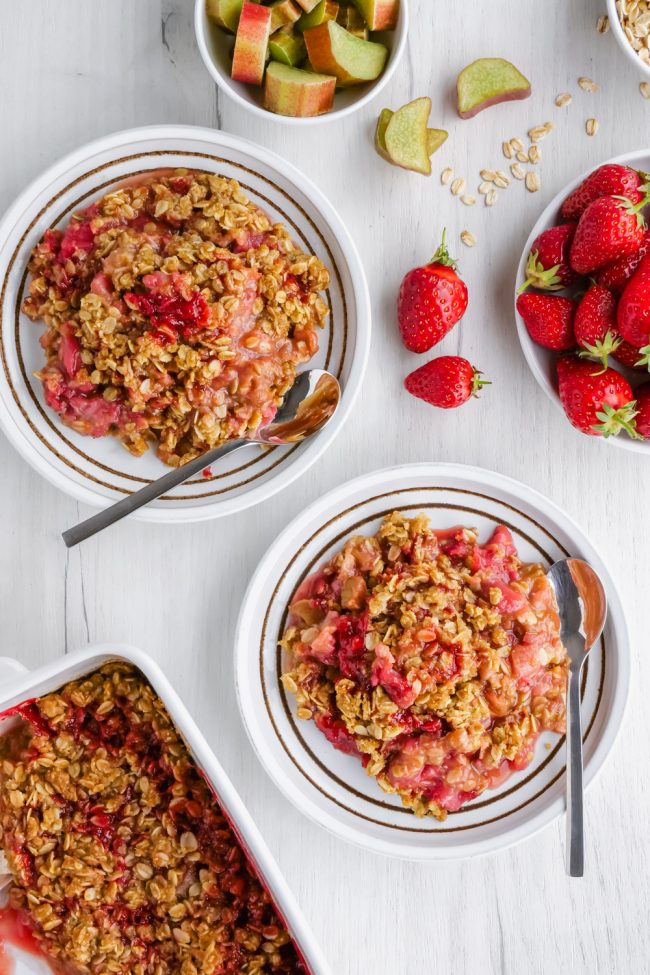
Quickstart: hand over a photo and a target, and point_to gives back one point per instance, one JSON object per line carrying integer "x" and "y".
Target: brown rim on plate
{"x": 92, "y": 192}
{"x": 316, "y": 559}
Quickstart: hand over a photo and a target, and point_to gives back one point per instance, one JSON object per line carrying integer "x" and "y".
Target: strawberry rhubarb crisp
{"x": 122, "y": 861}
{"x": 176, "y": 314}
{"x": 435, "y": 660}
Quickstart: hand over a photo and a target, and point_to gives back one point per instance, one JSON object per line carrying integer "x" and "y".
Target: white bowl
{"x": 19, "y": 685}
{"x": 541, "y": 360}
{"x": 215, "y": 46}
{"x": 621, "y": 38}
{"x": 332, "y": 788}
{"x": 100, "y": 471}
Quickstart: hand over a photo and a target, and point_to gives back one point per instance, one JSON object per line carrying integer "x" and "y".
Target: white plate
{"x": 100, "y": 471}
{"x": 541, "y": 360}
{"x": 215, "y": 46}
{"x": 332, "y": 788}
{"x": 17, "y": 685}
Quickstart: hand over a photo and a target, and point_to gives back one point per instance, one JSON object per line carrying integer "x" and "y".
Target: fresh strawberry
{"x": 447, "y": 381}
{"x": 548, "y": 262}
{"x": 610, "y": 228}
{"x": 549, "y": 320}
{"x": 616, "y": 275}
{"x": 599, "y": 403}
{"x": 611, "y": 179}
{"x": 631, "y": 357}
{"x": 633, "y": 314}
{"x": 432, "y": 299}
{"x": 595, "y": 324}
{"x": 642, "y": 419}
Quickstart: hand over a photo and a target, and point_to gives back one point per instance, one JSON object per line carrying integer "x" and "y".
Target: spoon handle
{"x": 149, "y": 492}
{"x": 574, "y": 813}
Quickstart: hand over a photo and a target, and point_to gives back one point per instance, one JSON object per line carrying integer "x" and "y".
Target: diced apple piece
{"x": 287, "y": 49}
{"x": 308, "y": 5}
{"x": 379, "y": 14}
{"x": 435, "y": 137}
{"x": 251, "y": 43}
{"x": 323, "y": 11}
{"x": 489, "y": 81}
{"x": 406, "y": 136}
{"x": 332, "y": 50}
{"x": 290, "y": 91}
{"x": 284, "y": 13}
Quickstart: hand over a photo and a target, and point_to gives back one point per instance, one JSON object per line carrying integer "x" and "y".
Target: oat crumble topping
{"x": 435, "y": 660}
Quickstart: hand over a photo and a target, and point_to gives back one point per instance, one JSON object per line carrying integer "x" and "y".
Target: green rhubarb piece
{"x": 323, "y": 11}
{"x": 287, "y": 49}
{"x": 406, "y": 137}
{"x": 489, "y": 81}
{"x": 352, "y": 61}
{"x": 225, "y": 13}
{"x": 435, "y": 137}
{"x": 284, "y": 14}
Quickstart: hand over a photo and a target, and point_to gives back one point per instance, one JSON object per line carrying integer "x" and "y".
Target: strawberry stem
{"x": 441, "y": 256}
{"x": 644, "y": 359}
{"x": 613, "y": 421}
{"x": 601, "y": 349}
{"x": 537, "y": 276}
{"x": 478, "y": 383}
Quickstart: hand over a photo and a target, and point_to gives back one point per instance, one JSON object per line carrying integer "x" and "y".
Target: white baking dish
{"x": 18, "y": 685}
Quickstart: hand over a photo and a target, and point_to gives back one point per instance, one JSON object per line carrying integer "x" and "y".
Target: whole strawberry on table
{"x": 432, "y": 300}
{"x": 598, "y": 256}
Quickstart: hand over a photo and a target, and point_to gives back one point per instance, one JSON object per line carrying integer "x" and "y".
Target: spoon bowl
{"x": 582, "y": 608}
{"x": 307, "y": 407}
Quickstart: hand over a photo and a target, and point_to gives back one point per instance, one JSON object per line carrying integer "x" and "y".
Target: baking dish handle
{"x": 10, "y": 669}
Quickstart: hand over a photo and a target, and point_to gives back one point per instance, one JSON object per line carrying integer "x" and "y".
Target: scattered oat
{"x": 485, "y": 187}
{"x": 468, "y": 200}
{"x": 534, "y": 154}
{"x": 563, "y": 99}
{"x": 591, "y": 126}
{"x": 446, "y": 175}
{"x": 488, "y": 175}
{"x": 468, "y": 238}
{"x": 507, "y": 150}
{"x": 523, "y": 156}
{"x": 644, "y": 88}
{"x": 539, "y": 132}
{"x": 517, "y": 171}
{"x": 517, "y": 145}
{"x": 588, "y": 85}
{"x": 603, "y": 24}
{"x": 533, "y": 182}
{"x": 458, "y": 186}
{"x": 491, "y": 198}
{"x": 501, "y": 179}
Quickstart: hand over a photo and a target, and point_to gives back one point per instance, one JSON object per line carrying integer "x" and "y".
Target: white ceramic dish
{"x": 541, "y": 360}
{"x": 215, "y": 46}
{"x": 18, "y": 685}
{"x": 331, "y": 787}
{"x": 621, "y": 38}
{"x": 100, "y": 471}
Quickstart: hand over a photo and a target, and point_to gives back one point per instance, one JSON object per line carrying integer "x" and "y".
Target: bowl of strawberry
{"x": 583, "y": 302}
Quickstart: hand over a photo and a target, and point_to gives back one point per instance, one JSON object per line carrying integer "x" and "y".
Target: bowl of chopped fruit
{"x": 301, "y": 60}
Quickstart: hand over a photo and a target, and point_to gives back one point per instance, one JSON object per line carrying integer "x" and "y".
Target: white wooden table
{"x": 71, "y": 70}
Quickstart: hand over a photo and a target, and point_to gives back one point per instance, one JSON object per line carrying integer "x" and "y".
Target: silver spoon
{"x": 308, "y": 406}
{"x": 582, "y": 606}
